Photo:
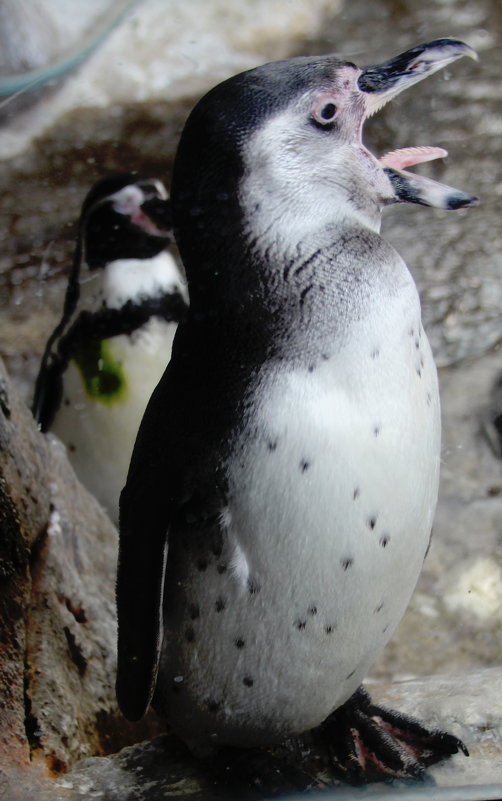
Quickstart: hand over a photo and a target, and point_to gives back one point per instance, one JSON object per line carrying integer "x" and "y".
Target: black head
{"x": 283, "y": 142}
{"x": 124, "y": 217}
{"x": 209, "y": 162}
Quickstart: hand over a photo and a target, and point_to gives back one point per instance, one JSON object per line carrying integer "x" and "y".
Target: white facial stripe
{"x": 128, "y": 200}
{"x": 299, "y": 180}
{"x": 161, "y": 189}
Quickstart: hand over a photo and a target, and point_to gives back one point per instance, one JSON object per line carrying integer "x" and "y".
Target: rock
{"x": 468, "y": 704}
{"x": 57, "y": 571}
{"x": 24, "y": 512}
{"x": 174, "y": 50}
{"x": 35, "y": 34}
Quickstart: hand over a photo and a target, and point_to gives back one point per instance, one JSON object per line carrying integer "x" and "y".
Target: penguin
{"x": 283, "y": 483}
{"x": 124, "y": 299}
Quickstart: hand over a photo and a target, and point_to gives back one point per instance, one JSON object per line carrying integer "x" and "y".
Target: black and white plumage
{"x": 124, "y": 299}
{"x": 282, "y": 488}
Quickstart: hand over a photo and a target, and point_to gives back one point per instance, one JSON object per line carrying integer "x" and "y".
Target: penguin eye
{"x": 324, "y": 111}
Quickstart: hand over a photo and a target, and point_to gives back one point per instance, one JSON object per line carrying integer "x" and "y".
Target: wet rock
{"x": 24, "y": 512}
{"x": 467, "y": 704}
{"x": 57, "y": 579}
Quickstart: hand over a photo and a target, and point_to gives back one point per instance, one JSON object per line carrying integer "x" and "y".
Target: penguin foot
{"x": 370, "y": 743}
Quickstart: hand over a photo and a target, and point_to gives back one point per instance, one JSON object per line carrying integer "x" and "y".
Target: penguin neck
{"x": 234, "y": 246}
{"x": 287, "y": 297}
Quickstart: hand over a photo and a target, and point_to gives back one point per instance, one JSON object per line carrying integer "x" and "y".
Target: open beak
{"x": 154, "y": 213}
{"x": 380, "y": 83}
{"x": 154, "y": 217}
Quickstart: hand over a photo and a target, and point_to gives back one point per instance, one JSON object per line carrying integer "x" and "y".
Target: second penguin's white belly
{"x": 99, "y": 431}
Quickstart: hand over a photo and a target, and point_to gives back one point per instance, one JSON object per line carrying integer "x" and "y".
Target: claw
{"x": 371, "y": 743}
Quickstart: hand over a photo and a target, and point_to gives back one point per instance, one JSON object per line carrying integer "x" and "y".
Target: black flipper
{"x": 173, "y": 488}
{"x": 146, "y": 512}
{"x": 140, "y": 589}
{"x": 147, "y": 508}
{"x": 49, "y": 382}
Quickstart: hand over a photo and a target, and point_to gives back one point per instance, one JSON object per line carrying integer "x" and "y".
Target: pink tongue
{"x": 408, "y": 156}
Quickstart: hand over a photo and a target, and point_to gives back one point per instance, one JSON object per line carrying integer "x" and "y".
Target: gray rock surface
{"x": 467, "y": 704}
{"x": 162, "y": 50}
{"x": 57, "y": 565}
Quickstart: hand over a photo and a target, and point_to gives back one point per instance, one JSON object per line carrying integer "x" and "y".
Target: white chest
{"x": 99, "y": 429}
{"x": 332, "y": 491}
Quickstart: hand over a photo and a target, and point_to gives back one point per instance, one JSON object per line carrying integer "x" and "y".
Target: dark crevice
{"x": 31, "y": 725}
{"x": 75, "y": 650}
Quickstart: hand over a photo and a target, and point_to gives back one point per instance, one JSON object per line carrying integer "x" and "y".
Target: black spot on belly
{"x": 312, "y": 610}
{"x": 239, "y": 643}
{"x": 372, "y": 522}
{"x": 378, "y": 608}
{"x": 419, "y": 372}
{"x": 247, "y": 681}
{"x": 300, "y": 624}
{"x": 346, "y": 563}
{"x": 189, "y": 634}
{"x": 272, "y": 444}
{"x": 194, "y": 611}
{"x": 253, "y": 587}
{"x": 71, "y": 447}
{"x": 356, "y": 493}
{"x": 384, "y": 540}
{"x": 329, "y": 629}
{"x": 417, "y": 343}
{"x": 375, "y": 353}
{"x": 304, "y": 465}
{"x": 385, "y": 628}
{"x": 221, "y": 569}
{"x": 219, "y": 605}
{"x": 350, "y": 675}
{"x": 217, "y": 548}
{"x": 213, "y": 705}
{"x": 202, "y": 565}
{"x": 311, "y": 368}
{"x": 376, "y": 431}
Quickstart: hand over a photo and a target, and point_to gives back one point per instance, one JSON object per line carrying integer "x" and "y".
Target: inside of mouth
{"x": 409, "y": 156}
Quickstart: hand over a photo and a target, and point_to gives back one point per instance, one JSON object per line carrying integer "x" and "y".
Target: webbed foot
{"x": 372, "y": 743}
